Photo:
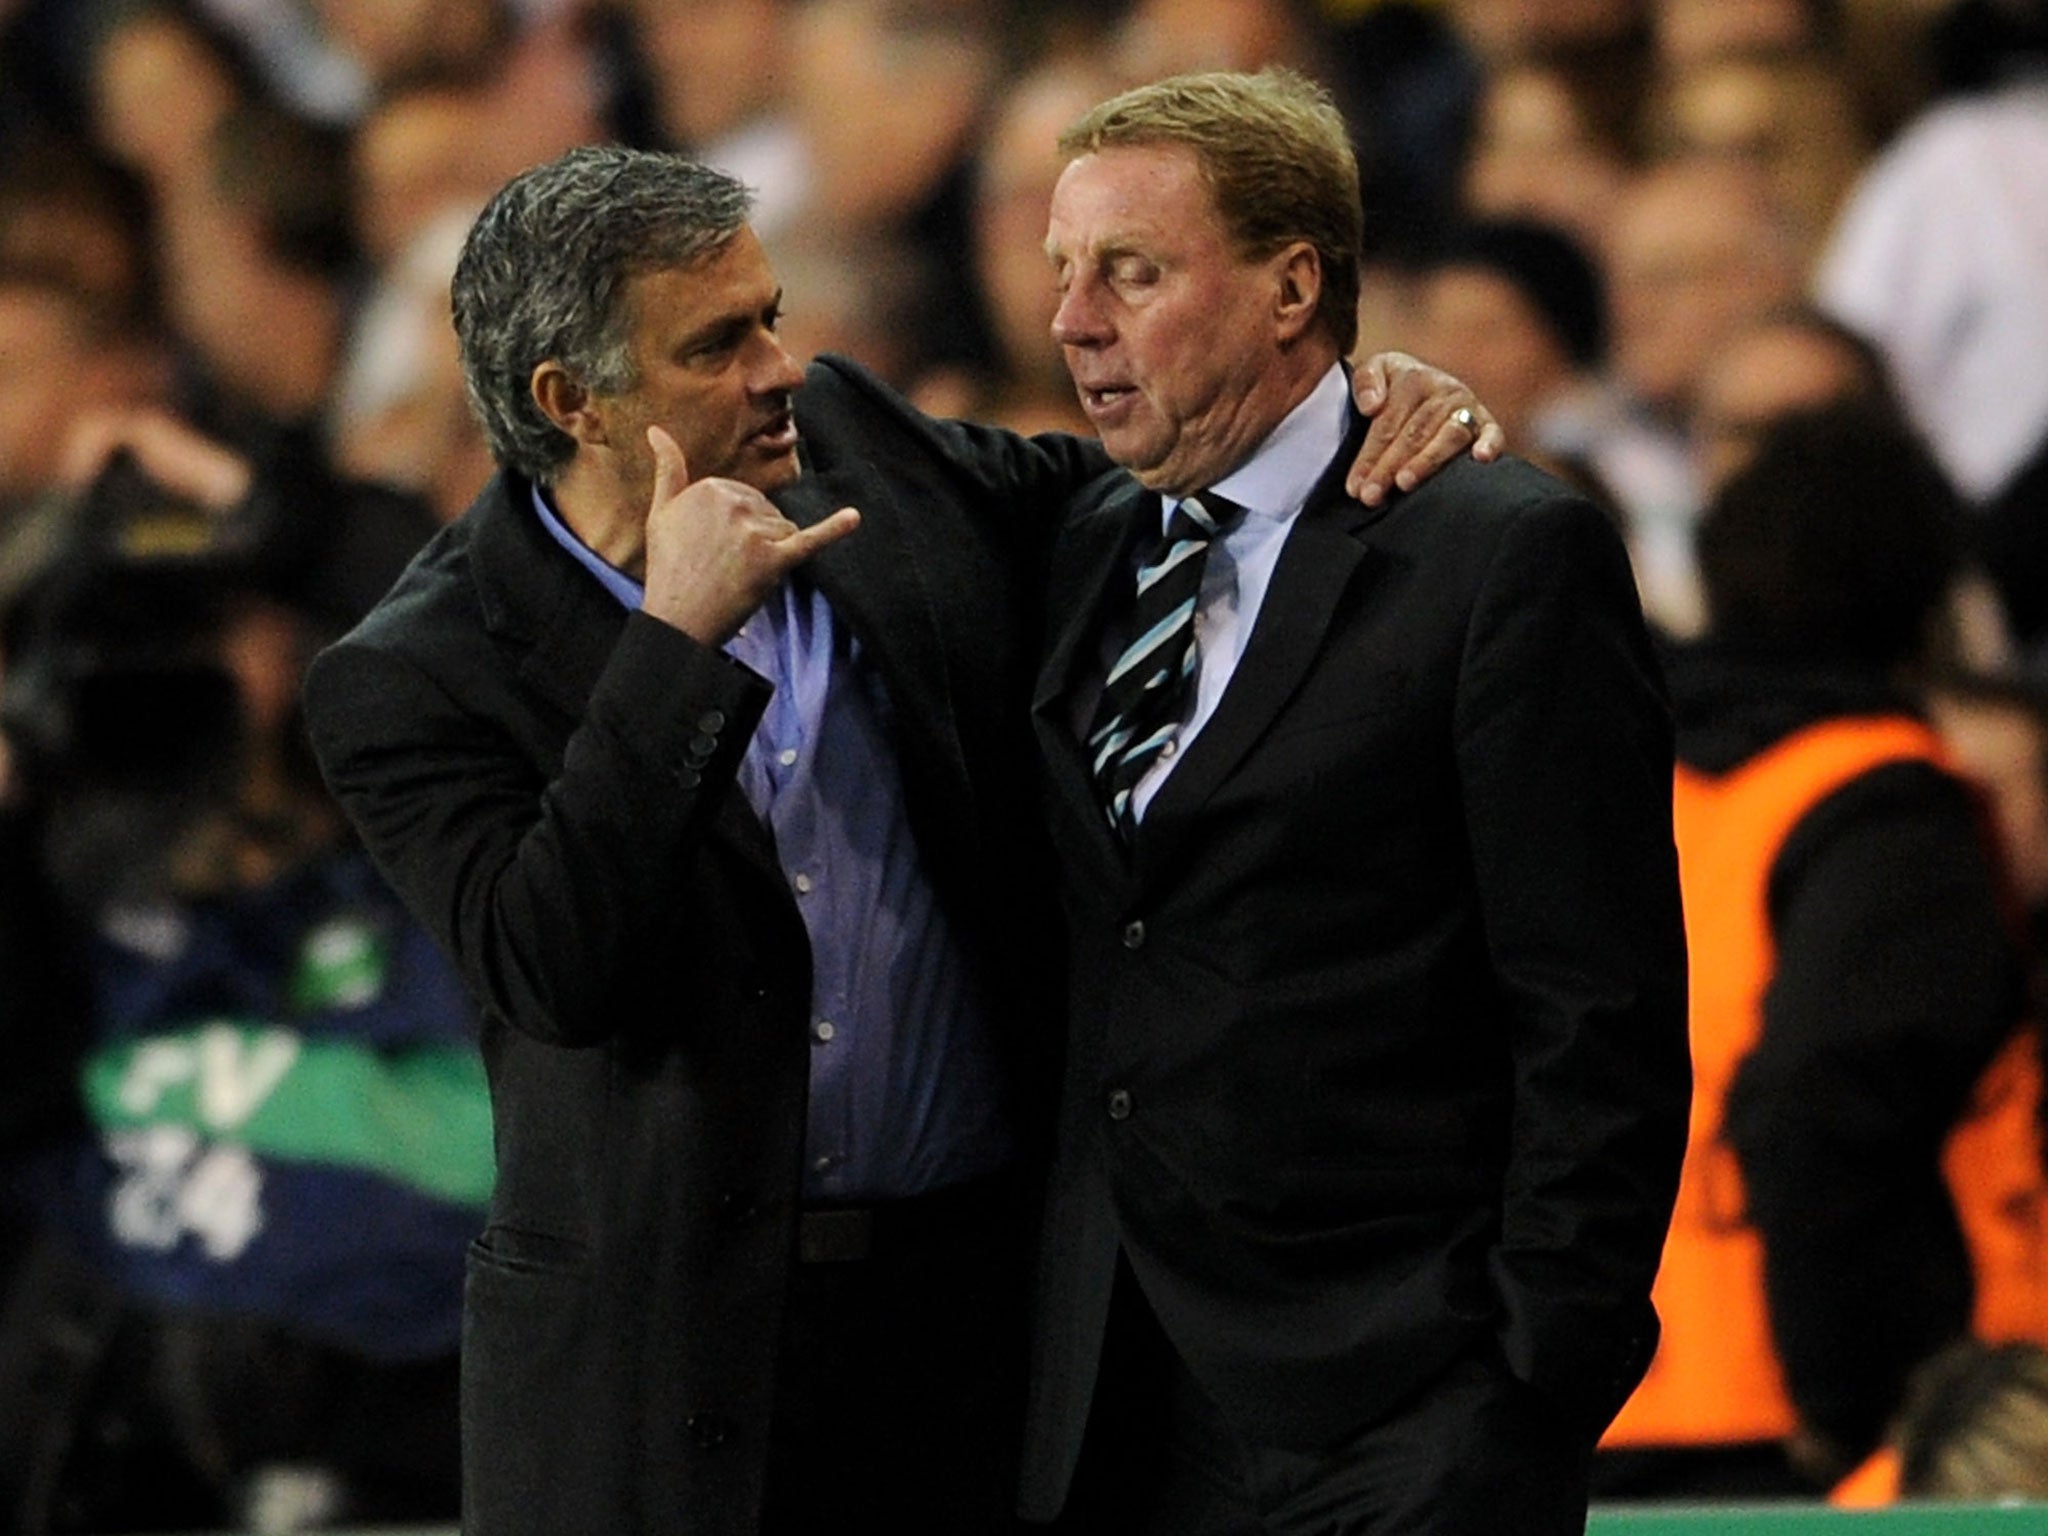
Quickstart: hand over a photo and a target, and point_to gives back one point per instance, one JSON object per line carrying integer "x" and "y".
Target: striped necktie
{"x": 1144, "y": 698}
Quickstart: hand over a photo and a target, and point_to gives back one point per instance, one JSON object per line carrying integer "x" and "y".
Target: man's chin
{"x": 768, "y": 472}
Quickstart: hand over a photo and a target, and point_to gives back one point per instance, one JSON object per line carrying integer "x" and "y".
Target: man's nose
{"x": 1078, "y": 320}
{"x": 775, "y": 371}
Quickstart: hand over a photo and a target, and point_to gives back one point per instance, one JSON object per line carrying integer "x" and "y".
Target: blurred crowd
{"x": 243, "y": 1132}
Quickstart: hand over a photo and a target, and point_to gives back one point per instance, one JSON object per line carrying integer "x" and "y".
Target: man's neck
{"x": 1289, "y": 378}
{"x": 605, "y": 518}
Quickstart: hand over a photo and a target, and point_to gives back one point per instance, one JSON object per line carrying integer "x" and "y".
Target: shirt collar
{"x": 1275, "y": 482}
{"x": 615, "y": 581}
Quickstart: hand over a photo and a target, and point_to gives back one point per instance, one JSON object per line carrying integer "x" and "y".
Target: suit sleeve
{"x": 1895, "y": 986}
{"x": 1026, "y": 482}
{"x": 546, "y": 893}
{"x": 1564, "y": 752}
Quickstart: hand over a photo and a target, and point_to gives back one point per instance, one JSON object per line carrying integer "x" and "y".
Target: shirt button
{"x": 802, "y": 884}
{"x": 1134, "y": 934}
{"x": 1119, "y": 1104}
{"x": 823, "y": 1030}
{"x": 1170, "y": 746}
{"x": 786, "y": 757}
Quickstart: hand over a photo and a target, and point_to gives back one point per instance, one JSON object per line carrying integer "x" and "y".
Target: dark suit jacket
{"x": 548, "y": 782}
{"x": 1378, "y": 1046}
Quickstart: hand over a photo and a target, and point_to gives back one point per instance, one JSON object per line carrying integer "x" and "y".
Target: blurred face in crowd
{"x": 1172, "y": 337}
{"x": 1504, "y": 28}
{"x": 1689, "y": 30}
{"x": 1696, "y": 253}
{"x": 1790, "y": 118}
{"x": 1479, "y": 325}
{"x": 715, "y": 64}
{"x": 1761, "y": 376}
{"x": 710, "y": 368}
{"x": 159, "y": 92}
{"x": 1535, "y": 155}
{"x": 56, "y": 372}
{"x": 1018, "y": 167}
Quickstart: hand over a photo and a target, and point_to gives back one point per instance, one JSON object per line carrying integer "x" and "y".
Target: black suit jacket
{"x": 548, "y": 781}
{"x": 1378, "y": 1045}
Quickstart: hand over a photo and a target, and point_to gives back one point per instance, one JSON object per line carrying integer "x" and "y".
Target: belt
{"x": 838, "y": 1234}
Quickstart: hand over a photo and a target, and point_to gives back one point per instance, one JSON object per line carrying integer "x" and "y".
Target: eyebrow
{"x": 729, "y": 326}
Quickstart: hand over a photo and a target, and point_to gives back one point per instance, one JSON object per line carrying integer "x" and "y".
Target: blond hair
{"x": 1276, "y": 156}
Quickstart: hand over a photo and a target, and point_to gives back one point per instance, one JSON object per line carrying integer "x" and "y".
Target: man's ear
{"x": 1298, "y": 288}
{"x": 568, "y": 403}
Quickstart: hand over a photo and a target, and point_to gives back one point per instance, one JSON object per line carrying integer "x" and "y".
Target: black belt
{"x": 837, "y": 1234}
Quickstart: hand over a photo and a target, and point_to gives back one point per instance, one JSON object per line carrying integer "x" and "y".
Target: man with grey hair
{"x": 726, "y": 817}
{"x": 1376, "y": 1080}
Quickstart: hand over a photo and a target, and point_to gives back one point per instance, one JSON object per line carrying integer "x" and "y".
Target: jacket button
{"x": 1134, "y": 934}
{"x": 711, "y": 722}
{"x": 1119, "y": 1104}
{"x": 707, "y": 1431}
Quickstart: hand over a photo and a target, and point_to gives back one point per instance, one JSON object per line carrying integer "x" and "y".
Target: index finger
{"x": 806, "y": 542}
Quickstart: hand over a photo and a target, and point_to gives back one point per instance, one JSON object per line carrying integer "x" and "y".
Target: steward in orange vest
{"x": 1853, "y": 979}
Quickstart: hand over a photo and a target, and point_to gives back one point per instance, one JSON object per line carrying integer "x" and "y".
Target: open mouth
{"x": 777, "y": 435}
{"x": 1105, "y": 399}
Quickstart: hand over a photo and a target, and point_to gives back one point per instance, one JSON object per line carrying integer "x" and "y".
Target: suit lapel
{"x": 902, "y": 635}
{"x": 1091, "y": 564}
{"x": 560, "y": 627}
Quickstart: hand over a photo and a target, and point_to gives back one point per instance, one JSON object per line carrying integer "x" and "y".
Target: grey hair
{"x": 544, "y": 271}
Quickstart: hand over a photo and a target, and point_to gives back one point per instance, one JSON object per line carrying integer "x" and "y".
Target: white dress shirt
{"x": 1272, "y": 486}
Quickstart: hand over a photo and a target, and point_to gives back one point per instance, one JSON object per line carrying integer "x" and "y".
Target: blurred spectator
{"x": 1519, "y": 312}
{"x": 1504, "y": 29}
{"x": 1799, "y": 359}
{"x": 1411, "y": 86}
{"x": 1022, "y": 384}
{"x": 858, "y": 298}
{"x": 1789, "y": 114}
{"x": 1854, "y": 975}
{"x": 1537, "y": 153}
{"x": 1601, "y": 51}
{"x": 716, "y": 76}
{"x": 1783, "y": 363}
{"x": 159, "y": 83}
{"x": 1172, "y": 37}
{"x": 69, "y": 216}
{"x": 242, "y": 1308}
{"x": 425, "y": 148}
{"x": 886, "y": 97}
{"x": 1941, "y": 256}
{"x": 1698, "y": 250}
{"x": 64, "y": 359}
{"x": 399, "y": 415}
{"x": 1690, "y": 31}
{"x": 397, "y": 43}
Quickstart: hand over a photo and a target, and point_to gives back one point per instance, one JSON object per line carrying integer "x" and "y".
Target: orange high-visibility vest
{"x": 1716, "y": 1379}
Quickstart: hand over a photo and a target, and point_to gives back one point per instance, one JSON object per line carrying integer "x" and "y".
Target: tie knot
{"x": 1202, "y": 515}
